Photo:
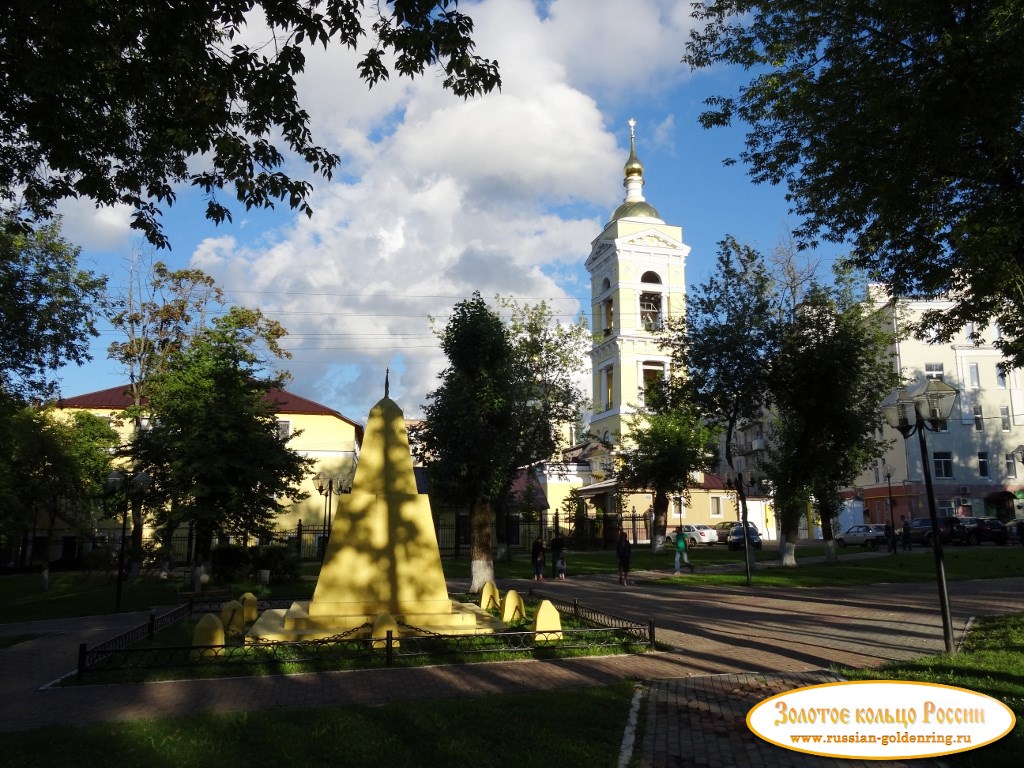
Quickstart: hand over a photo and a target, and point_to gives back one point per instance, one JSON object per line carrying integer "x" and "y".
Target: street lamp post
{"x": 931, "y": 406}
{"x": 114, "y": 482}
{"x": 892, "y": 523}
{"x": 326, "y": 486}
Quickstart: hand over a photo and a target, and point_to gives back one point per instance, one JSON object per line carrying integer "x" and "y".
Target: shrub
{"x": 230, "y": 562}
{"x": 280, "y": 560}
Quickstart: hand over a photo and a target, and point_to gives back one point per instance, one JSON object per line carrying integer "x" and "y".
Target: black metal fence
{"x": 509, "y": 533}
{"x": 347, "y": 650}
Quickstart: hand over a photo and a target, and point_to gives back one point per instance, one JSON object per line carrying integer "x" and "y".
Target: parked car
{"x": 695, "y": 534}
{"x": 724, "y": 528}
{"x": 735, "y": 540}
{"x": 950, "y": 531}
{"x": 865, "y": 535}
{"x": 979, "y": 529}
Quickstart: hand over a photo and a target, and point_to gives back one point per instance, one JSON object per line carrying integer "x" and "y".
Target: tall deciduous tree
{"x": 53, "y": 469}
{"x": 667, "y": 444}
{"x": 504, "y": 399}
{"x": 47, "y": 309}
{"x": 831, "y": 374}
{"x": 725, "y": 346}
{"x": 119, "y": 102}
{"x": 897, "y": 126}
{"x": 162, "y": 312}
{"x": 214, "y": 449}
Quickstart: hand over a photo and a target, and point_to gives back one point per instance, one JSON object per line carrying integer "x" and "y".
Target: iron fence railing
{"x": 510, "y": 534}
{"x": 122, "y": 653}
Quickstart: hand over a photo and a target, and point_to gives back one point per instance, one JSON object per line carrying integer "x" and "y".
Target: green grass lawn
{"x": 991, "y": 662}
{"x": 529, "y": 730}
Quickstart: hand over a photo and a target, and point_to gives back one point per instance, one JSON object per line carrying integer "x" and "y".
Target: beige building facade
{"x": 315, "y": 431}
{"x": 972, "y": 461}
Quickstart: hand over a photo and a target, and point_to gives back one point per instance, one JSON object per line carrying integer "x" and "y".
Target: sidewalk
{"x": 731, "y": 647}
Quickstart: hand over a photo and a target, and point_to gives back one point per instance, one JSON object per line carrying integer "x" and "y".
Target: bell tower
{"x": 637, "y": 281}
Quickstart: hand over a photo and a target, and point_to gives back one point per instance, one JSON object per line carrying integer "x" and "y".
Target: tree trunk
{"x": 481, "y": 556}
{"x": 660, "y": 522}
{"x": 135, "y": 567}
{"x": 790, "y": 530}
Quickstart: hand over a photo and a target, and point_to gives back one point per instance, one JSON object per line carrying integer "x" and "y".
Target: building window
{"x": 284, "y": 430}
{"x": 716, "y": 506}
{"x": 982, "y": 463}
{"x": 943, "y": 461}
{"x": 677, "y": 502}
{"x": 653, "y": 374}
{"x": 974, "y": 376}
{"x": 1004, "y": 418}
{"x": 979, "y": 420}
{"x": 1000, "y": 378}
{"x": 933, "y": 371}
{"x": 650, "y": 303}
{"x": 1011, "y": 465}
{"x": 650, "y": 311}
{"x": 607, "y": 388}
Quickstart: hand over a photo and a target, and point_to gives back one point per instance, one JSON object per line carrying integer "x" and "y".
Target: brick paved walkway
{"x": 731, "y": 647}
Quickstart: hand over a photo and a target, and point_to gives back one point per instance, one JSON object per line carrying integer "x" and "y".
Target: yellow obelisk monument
{"x": 382, "y": 560}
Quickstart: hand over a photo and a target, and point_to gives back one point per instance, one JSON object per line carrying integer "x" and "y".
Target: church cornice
{"x": 649, "y": 239}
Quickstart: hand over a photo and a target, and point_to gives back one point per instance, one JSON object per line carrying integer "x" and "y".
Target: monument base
{"x": 295, "y": 624}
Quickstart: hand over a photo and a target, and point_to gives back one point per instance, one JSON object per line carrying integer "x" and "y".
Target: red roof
{"x": 285, "y": 402}
{"x": 525, "y": 487}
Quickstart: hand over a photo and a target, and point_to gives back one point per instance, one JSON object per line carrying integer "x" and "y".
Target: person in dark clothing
{"x": 557, "y": 546}
{"x": 537, "y": 556}
{"x": 906, "y": 535}
{"x": 623, "y": 550}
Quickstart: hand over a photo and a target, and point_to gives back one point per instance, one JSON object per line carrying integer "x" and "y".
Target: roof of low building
{"x": 284, "y": 402}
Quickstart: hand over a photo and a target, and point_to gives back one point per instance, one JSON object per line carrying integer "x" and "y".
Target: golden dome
{"x": 635, "y": 209}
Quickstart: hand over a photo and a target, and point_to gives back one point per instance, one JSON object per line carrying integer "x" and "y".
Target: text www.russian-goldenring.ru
{"x": 884, "y": 740}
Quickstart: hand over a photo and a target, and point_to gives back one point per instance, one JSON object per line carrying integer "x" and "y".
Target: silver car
{"x": 864, "y": 535}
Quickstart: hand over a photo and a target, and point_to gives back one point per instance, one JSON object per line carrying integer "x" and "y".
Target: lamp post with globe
{"x": 926, "y": 409}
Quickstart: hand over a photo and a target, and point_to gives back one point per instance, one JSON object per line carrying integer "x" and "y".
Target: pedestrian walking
{"x": 537, "y": 556}
{"x": 906, "y": 535}
{"x": 682, "y": 551}
{"x": 623, "y": 551}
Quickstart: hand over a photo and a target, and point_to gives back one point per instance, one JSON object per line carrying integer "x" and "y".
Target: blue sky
{"x": 439, "y": 197}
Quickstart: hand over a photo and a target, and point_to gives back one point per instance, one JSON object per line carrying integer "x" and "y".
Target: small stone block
{"x": 209, "y": 631}
{"x": 232, "y": 617}
{"x": 490, "y": 597}
{"x": 547, "y": 624}
{"x": 250, "y": 608}
{"x": 512, "y": 607}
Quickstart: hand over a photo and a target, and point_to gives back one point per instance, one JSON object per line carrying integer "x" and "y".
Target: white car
{"x": 865, "y": 535}
{"x": 695, "y": 534}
